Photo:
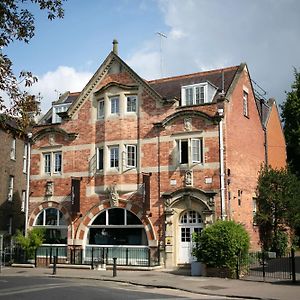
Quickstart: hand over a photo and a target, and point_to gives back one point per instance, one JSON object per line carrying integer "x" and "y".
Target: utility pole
{"x": 161, "y": 36}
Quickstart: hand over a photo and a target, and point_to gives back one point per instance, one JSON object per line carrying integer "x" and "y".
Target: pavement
{"x": 164, "y": 278}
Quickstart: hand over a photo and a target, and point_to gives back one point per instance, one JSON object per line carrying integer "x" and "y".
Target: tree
{"x": 18, "y": 23}
{"x": 220, "y": 244}
{"x": 278, "y": 203}
{"x": 291, "y": 124}
{"x": 31, "y": 242}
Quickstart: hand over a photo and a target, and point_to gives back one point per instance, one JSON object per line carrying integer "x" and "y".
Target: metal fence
{"x": 267, "y": 266}
{"x": 91, "y": 255}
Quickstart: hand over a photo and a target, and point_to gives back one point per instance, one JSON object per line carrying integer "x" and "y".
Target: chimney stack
{"x": 115, "y": 46}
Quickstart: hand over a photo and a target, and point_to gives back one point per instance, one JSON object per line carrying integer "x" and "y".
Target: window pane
{"x": 116, "y": 216}
{"x": 62, "y": 220}
{"x": 47, "y": 162}
{"x": 101, "y": 219}
{"x": 196, "y": 151}
{"x": 57, "y": 162}
{"x": 51, "y": 216}
{"x": 101, "y": 109}
{"x": 56, "y": 236}
{"x": 114, "y": 157}
{"x": 199, "y": 95}
{"x": 189, "y": 96}
{"x": 114, "y": 105}
{"x": 131, "y": 103}
{"x": 100, "y": 159}
{"x": 183, "y": 150}
{"x": 40, "y": 219}
{"x": 131, "y": 154}
{"x": 117, "y": 236}
{"x": 132, "y": 219}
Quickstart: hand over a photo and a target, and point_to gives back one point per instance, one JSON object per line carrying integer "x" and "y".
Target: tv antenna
{"x": 161, "y": 36}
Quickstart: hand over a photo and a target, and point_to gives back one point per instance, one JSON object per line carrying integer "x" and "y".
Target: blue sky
{"x": 201, "y": 35}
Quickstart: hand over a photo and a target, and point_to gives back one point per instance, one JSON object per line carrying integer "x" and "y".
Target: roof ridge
{"x": 191, "y": 74}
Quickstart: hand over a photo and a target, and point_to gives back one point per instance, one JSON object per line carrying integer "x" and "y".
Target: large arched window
{"x": 117, "y": 226}
{"x": 55, "y": 225}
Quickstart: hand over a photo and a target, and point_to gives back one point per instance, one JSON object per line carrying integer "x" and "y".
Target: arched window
{"x": 191, "y": 217}
{"x": 55, "y": 225}
{"x": 117, "y": 226}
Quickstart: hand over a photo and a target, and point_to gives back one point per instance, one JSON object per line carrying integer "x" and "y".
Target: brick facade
{"x": 158, "y": 128}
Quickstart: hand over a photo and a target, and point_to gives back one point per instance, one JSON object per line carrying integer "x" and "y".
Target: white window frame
{"x": 114, "y": 105}
{"x": 58, "y": 108}
{"x": 114, "y": 156}
{"x": 101, "y": 109}
{"x": 129, "y": 108}
{"x": 189, "y": 94}
{"x": 131, "y": 162}
{"x": 98, "y": 158}
{"x": 245, "y": 103}
{"x": 191, "y": 152}
{"x": 13, "y": 149}
{"x": 25, "y": 158}
{"x": 10, "y": 188}
{"x": 51, "y": 165}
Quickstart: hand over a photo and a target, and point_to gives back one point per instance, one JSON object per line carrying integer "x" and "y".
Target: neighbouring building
{"x": 141, "y": 165}
{"x": 13, "y": 175}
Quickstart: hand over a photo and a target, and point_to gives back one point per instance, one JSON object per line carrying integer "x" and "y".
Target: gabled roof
{"x": 100, "y": 73}
{"x": 170, "y": 88}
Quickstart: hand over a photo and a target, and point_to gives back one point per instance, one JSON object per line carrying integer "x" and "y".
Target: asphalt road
{"x": 43, "y": 288}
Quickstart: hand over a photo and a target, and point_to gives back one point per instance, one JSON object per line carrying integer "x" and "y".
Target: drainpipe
{"x": 222, "y": 174}
{"x": 29, "y": 136}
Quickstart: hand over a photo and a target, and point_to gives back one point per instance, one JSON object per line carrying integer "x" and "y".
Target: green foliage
{"x": 219, "y": 244}
{"x": 280, "y": 243}
{"x": 291, "y": 124}
{"x": 17, "y": 23}
{"x": 278, "y": 203}
{"x": 31, "y": 242}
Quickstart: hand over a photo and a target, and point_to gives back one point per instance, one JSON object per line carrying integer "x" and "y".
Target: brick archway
{"x": 96, "y": 210}
{"x": 49, "y": 204}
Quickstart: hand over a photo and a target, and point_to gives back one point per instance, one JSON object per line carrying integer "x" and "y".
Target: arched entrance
{"x": 115, "y": 227}
{"x": 189, "y": 222}
{"x": 117, "y": 232}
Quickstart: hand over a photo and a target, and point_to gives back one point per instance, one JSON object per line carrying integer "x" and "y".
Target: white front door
{"x": 190, "y": 222}
{"x": 186, "y": 243}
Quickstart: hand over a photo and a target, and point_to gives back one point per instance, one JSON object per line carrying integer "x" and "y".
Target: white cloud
{"x": 63, "y": 79}
{"x": 213, "y": 34}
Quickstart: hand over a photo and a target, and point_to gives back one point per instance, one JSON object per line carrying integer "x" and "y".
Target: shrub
{"x": 31, "y": 242}
{"x": 220, "y": 244}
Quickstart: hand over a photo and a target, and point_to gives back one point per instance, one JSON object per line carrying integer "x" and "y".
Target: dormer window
{"x": 58, "y": 108}
{"x": 197, "y": 94}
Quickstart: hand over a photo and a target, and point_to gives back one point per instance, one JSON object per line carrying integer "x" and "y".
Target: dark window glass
{"x": 132, "y": 219}
{"x": 184, "y": 154}
{"x": 116, "y": 216}
{"x": 117, "y": 236}
{"x": 101, "y": 219}
{"x": 51, "y": 216}
{"x": 55, "y": 236}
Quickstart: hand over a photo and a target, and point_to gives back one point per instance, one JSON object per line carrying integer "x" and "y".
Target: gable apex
{"x": 113, "y": 64}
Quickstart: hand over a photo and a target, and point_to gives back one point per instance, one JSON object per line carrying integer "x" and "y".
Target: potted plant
{"x": 31, "y": 242}
{"x": 219, "y": 246}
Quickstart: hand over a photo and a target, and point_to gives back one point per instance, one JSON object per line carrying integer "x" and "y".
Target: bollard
{"x": 54, "y": 265}
{"x": 115, "y": 267}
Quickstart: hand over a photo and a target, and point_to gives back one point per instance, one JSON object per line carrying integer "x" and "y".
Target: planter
{"x": 198, "y": 268}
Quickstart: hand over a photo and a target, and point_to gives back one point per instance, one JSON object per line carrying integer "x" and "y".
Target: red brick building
{"x": 144, "y": 164}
